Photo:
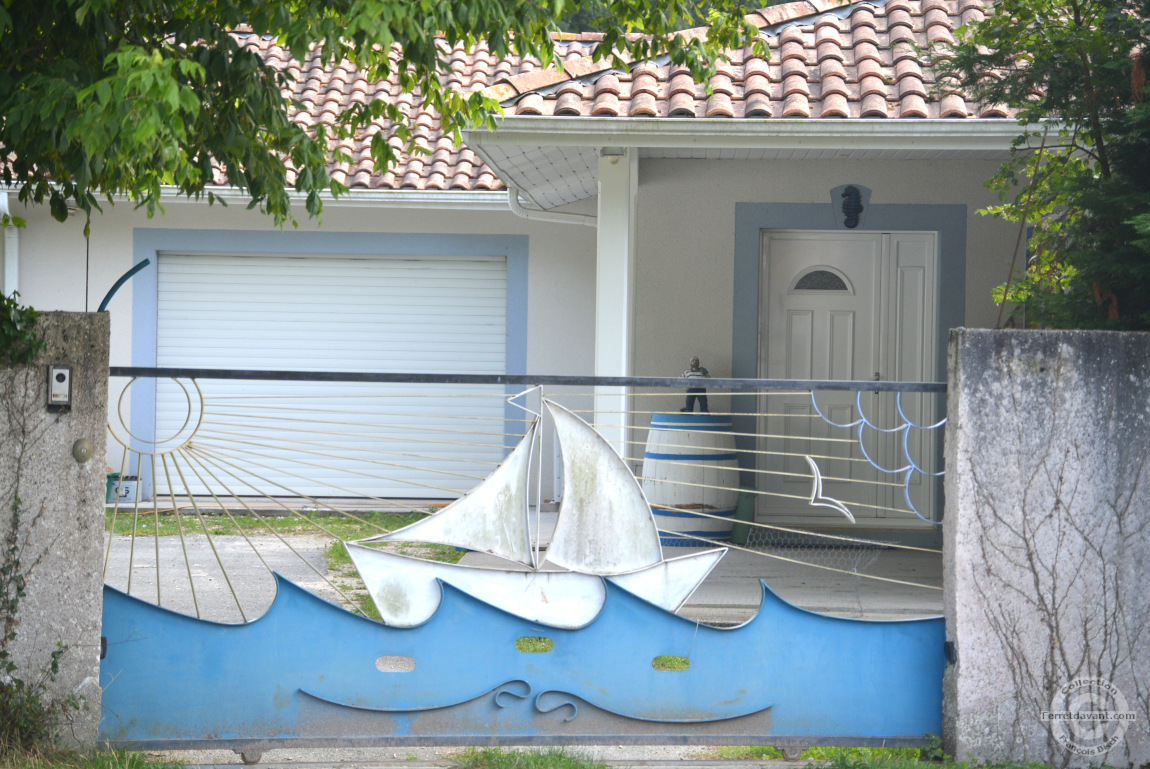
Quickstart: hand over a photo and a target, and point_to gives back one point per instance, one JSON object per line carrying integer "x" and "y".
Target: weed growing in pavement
{"x": 344, "y": 575}
{"x": 549, "y": 758}
{"x": 117, "y": 759}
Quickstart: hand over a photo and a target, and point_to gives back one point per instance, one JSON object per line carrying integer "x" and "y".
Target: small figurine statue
{"x": 696, "y": 393}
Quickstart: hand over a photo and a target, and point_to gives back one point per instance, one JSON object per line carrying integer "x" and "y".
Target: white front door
{"x": 853, "y": 306}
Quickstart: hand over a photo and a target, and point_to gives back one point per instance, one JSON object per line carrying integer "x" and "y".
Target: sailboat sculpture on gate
{"x": 605, "y": 530}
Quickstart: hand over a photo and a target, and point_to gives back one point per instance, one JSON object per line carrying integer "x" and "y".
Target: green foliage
{"x": 1079, "y": 174}
{"x": 933, "y": 750}
{"x": 105, "y": 98}
{"x": 591, "y": 15}
{"x": 27, "y": 716}
{"x": 19, "y": 343}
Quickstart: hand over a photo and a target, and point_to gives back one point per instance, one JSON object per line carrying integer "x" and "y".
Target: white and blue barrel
{"x": 689, "y": 464}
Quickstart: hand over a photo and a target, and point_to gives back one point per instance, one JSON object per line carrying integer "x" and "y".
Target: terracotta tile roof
{"x": 322, "y": 93}
{"x": 828, "y": 59}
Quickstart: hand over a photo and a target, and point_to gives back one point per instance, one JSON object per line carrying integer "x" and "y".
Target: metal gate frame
{"x": 308, "y": 673}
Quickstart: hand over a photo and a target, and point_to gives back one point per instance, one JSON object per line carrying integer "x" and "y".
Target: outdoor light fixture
{"x": 612, "y": 153}
{"x": 852, "y": 206}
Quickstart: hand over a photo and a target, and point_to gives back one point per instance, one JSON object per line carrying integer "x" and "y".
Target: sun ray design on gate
{"x": 210, "y": 469}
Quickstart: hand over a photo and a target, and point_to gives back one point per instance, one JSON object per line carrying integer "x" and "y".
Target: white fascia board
{"x": 975, "y": 135}
{"x": 478, "y": 200}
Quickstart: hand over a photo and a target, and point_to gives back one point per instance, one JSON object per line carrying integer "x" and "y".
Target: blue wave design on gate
{"x": 169, "y": 677}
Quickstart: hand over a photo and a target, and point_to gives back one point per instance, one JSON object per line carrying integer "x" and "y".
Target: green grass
{"x": 67, "y": 760}
{"x": 835, "y": 758}
{"x": 670, "y": 663}
{"x": 337, "y": 556}
{"x": 549, "y": 758}
{"x": 745, "y": 753}
{"x": 858, "y": 758}
{"x": 534, "y": 645}
{"x": 307, "y": 522}
{"x": 863, "y": 757}
{"x": 430, "y": 551}
{"x": 840, "y": 758}
{"x": 357, "y": 525}
{"x": 344, "y": 575}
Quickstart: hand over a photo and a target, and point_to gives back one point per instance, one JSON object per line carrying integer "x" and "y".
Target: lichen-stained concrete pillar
{"x": 1047, "y": 547}
{"x": 61, "y": 527}
{"x": 615, "y": 287}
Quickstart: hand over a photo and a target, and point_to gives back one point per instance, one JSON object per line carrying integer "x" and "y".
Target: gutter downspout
{"x": 10, "y": 279}
{"x": 517, "y": 208}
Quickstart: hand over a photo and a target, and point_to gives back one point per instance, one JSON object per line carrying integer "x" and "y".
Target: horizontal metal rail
{"x": 715, "y": 383}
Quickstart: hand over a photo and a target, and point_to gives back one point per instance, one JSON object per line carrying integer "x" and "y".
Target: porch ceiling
{"x": 553, "y": 160}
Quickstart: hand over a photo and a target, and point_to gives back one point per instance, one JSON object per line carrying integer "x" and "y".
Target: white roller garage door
{"x": 335, "y": 313}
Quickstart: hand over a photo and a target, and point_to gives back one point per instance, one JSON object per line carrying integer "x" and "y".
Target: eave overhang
{"x": 554, "y": 160}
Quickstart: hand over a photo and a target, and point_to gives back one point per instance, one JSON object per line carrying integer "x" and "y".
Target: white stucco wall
{"x": 685, "y": 269}
{"x": 57, "y": 273}
{"x": 561, "y": 265}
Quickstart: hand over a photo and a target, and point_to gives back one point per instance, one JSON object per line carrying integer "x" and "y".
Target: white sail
{"x": 491, "y": 518}
{"x": 605, "y": 524}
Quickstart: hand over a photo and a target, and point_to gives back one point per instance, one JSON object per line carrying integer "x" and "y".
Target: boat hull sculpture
{"x": 406, "y": 591}
{"x": 605, "y": 530}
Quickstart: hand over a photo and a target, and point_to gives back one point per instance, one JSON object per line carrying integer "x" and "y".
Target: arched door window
{"x": 821, "y": 279}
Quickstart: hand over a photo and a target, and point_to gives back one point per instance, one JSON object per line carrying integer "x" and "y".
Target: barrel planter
{"x": 690, "y": 464}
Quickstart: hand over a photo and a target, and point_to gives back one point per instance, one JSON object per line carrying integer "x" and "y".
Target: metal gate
{"x": 310, "y": 672}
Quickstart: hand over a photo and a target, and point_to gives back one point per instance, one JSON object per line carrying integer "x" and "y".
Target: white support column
{"x": 614, "y": 286}
{"x": 9, "y": 254}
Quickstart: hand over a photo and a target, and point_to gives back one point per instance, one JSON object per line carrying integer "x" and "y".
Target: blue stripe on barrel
{"x": 689, "y": 464}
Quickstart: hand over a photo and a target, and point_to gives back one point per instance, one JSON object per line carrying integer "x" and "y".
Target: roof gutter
{"x": 515, "y": 203}
{"x": 979, "y": 134}
{"x": 471, "y": 200}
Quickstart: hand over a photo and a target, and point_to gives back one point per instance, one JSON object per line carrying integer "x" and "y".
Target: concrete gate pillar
{"x": 60, "y": 533}
{"x": 1047, "y": 547}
